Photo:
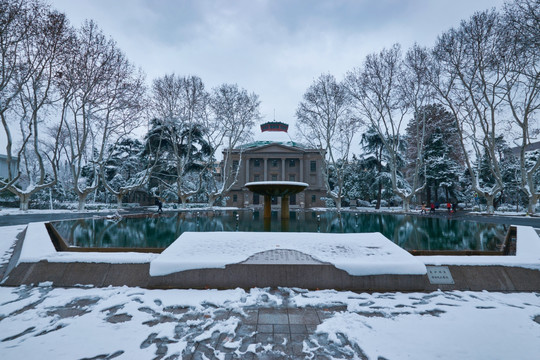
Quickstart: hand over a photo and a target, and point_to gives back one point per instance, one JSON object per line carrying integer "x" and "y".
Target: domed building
{"x": 274, "y": 156}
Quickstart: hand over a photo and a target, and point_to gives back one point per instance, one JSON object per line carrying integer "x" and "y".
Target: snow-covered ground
{"x": 133, "y": 323}
{"x": 16, "y": 211}
{"x": 7, "y": 240}
{"x": 169, "y": 207}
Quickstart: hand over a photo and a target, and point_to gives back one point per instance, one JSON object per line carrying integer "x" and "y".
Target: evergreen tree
{"x": 165, "y": 146}
{"x": 443, "y": 158}
{"x": 125, "y": 159}
{"x": 376, "y": 161}
{"x": 366, "y": 178}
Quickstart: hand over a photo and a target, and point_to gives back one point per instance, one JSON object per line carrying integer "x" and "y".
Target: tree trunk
{"x": 428, "y": 195}
{"x": 119, "y": 201}
{"x": 183, "y": 199}
{"x": 533, "y": 199}
{"x": 379, "y": 195}
{"x": 337, "y": 200}
{"x": 379, "y": 169}
{"x": 50, "y": 198}
{"x": 489, "y": 200}
{"x": 211, "y": 199}
{"x": 24, "y": 200}
{"x": 406, "y": 204}
{"x": 82, "y": 201}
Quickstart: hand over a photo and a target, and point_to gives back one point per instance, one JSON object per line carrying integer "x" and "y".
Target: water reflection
{"x": 409, "y": 232}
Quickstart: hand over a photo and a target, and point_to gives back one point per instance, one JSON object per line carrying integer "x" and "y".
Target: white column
{"x": 265, "y": 171}
{"x": 247, "y": 170}
{"x": 301, "y": 170}
{"x": 283, "y": 169}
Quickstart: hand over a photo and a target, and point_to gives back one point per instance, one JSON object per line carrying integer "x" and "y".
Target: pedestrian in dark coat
{"x": 159, "y": 205}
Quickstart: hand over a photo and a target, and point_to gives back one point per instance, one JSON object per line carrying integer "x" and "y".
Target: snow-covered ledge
{"x": 236, "y": 247}
{"x": 37, "y": 246}
{"x": 294, "y": 183}
{"x": 358, "y": 254}
{"x": 527, "y": 254}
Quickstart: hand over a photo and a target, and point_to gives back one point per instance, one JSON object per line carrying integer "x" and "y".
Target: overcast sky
{"x": 272, "y": 48}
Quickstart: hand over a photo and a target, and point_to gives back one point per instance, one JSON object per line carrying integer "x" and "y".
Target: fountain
{"x": 276, "y": 188}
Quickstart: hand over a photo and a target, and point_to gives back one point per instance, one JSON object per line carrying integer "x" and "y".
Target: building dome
{"x": 273, "y": 132}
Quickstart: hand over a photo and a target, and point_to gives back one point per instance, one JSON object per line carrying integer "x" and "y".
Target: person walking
{"x": 423, "y": 211}
{"x": 432, "y": 208}
{"x": 159, "y": 205}
{"x": 449, "y": 207}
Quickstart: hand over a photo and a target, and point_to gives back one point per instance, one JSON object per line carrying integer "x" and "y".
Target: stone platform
{"x": 358, "y": 262}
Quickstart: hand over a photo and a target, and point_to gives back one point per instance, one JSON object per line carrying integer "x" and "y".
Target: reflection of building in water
{"x": 273, "y": 156}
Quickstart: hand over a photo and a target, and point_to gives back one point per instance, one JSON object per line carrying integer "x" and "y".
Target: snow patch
{"x": 9, "y": 237}
{"x": 358, "y": 254}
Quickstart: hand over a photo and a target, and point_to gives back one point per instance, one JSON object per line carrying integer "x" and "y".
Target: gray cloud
{"x": 274, "y": 48}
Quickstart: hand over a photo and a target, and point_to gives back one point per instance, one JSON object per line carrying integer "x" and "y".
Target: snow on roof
{"x": 270, "y": 137}
{"x": 296, "y": 183}
{"x": 274, "y": 136}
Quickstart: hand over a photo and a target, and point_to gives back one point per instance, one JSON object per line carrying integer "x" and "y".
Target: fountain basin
{"x": 276, "y": 188}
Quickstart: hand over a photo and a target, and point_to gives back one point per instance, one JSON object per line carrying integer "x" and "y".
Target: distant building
{"x": 275, "y": 157}
{"x": 531, "y": 147}
{"x": 4, "y": 173}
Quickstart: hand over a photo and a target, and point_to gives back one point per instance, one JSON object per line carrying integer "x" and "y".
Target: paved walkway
{"x": 285, "y": 329}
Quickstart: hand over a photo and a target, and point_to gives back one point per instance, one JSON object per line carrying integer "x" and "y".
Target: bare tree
{"x": 102, "y": 101}
{"x": 83, "y": 76}
{"x": 520, "y": 30}
{"x": 16, "y": 19}
{"x": 325, "y": 121}
{"x": 36, "y": 64}
{"x": 468, "y": 77}
{"x": 417, "y": 92}
{"x": 180, "y": 105}
{"x": 233, "y": 113}
{"x": 385, "y": 90}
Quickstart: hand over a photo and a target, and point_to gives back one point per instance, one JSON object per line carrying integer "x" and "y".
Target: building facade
{"x": 277, "y": 158}
{"x": 4, "y": 169}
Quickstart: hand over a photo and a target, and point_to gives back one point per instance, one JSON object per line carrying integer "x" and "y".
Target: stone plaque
{"x": 439, "y": 275}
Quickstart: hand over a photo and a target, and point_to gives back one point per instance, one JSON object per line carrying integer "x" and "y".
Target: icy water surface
{"x": 408, "y": 231}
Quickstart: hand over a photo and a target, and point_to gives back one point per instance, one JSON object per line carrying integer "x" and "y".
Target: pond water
{"x": 411, "y": 232}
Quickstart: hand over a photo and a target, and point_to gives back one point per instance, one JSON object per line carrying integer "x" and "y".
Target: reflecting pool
{"x": 411, "y": 232}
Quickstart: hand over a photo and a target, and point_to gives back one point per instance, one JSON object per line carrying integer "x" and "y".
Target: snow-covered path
{"x": 133, "y": 323}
